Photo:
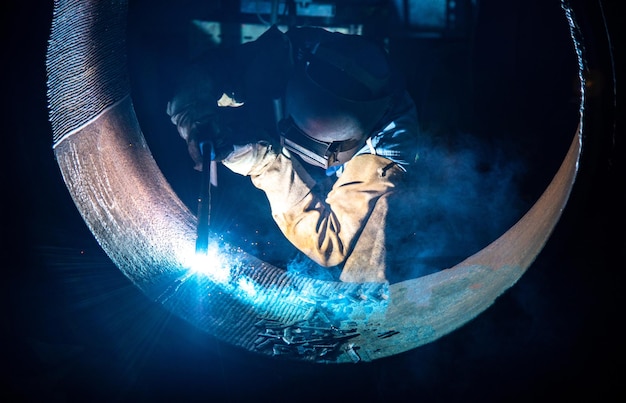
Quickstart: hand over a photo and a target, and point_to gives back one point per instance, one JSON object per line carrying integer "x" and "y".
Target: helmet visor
{"x": 323, "y": 154}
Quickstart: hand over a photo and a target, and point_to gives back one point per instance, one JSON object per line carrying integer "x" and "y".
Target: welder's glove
{"x": 222, "y": 127}
{"x": 195, "y": 124}
{"x": 187, "y": 119}
{"x": 251, "y": 159}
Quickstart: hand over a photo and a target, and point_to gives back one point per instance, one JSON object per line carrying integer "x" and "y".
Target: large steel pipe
{"x": 150, "y": 235}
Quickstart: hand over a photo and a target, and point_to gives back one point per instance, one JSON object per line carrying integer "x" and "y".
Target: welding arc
{"x": 146, "y": 230}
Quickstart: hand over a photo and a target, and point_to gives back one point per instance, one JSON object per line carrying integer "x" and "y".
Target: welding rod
{"x": 209, "y": 177}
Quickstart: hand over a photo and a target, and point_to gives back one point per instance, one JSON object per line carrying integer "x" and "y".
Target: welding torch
{"x": 214, "y": 141}
{"x": 208, "y": 179}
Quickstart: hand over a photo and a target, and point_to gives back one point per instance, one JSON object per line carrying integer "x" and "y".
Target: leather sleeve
{"x": 346, "y": 226}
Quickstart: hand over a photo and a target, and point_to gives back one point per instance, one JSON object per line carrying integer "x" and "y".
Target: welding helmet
{"x": 335, "y": 98}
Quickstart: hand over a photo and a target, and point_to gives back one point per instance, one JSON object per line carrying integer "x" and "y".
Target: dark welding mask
{"x": 323, "y": 154}
{"x": 334, "y": 100}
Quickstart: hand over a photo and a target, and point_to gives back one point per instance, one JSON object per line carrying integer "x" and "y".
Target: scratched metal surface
{"x": 147, "y": 231}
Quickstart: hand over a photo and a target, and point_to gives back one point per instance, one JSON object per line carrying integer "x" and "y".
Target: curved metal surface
{"x": 150, "y": 235}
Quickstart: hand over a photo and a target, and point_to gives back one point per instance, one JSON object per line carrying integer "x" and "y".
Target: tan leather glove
{"x": 250, "y": 159}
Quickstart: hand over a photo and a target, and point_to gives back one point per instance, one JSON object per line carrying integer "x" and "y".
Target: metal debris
{"x": 388, "y": 334}
{"x": 313, "y": 341}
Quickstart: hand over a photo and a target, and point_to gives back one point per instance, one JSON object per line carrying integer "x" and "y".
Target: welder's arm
{"x": 325, "y": 228}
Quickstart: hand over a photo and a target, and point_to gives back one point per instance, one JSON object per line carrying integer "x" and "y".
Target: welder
{"x": 287, "y": 106}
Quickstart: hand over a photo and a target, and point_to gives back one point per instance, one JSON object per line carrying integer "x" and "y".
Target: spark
{"x": 248, "y": 287}
{"x": 211, "y": 264}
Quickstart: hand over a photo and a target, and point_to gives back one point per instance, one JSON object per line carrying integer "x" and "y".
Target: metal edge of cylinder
{"x": 90, "y": 109}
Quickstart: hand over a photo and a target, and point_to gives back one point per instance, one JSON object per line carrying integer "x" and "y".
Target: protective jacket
{"x": 348, "y": 226}
{"x": 362, "y": 219}
{"x": 358, "y": 222}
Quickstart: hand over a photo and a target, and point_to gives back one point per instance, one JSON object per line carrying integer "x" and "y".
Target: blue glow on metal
{"x": 211, "y": 264}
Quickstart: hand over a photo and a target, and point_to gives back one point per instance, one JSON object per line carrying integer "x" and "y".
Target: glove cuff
{"x": 251, "y": 159}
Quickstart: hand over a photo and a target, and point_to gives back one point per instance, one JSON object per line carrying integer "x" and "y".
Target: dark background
{"x": 74, "y": 328}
